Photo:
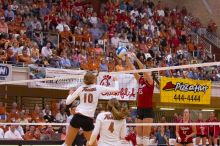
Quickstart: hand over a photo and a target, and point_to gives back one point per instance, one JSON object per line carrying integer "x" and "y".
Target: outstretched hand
{"x": 132, "y": 55}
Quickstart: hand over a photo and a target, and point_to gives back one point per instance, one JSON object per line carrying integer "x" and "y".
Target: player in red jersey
{"x": 212, "y": 130}
{"x": 201, "y": 131}
{"x": 145, "y": 112}
{"x": 184, "y": 134}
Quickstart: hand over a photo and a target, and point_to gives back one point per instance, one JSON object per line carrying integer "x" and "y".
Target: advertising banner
{"x": 127, "y": 82}
{"x": 127, "y": 86}
{"x": 62, "y": 84}
{"x": 5, "y": 72}
{"x": 185, "y": 91}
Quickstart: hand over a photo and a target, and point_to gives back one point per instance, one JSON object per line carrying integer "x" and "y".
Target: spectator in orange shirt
{"x": 14, "y": 114}
{"x": 28, "y": 115}
{"x": 2, "y": 112}
{"x": 120, "y": 66}
{"x": 3, "y": 55}
{"x": 40, "y": 119}
{"x": 3, "y": 26}
{"x": 2, "y": 108}
{"x": 29, "y": 135}
{"x": 36, "y": 113}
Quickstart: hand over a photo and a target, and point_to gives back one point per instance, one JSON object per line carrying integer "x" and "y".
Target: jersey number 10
{"x": 88, "y": 98}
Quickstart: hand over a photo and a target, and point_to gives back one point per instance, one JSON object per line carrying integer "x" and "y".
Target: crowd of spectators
{"x": 196, "y": 26}
{"x": 88, "y": 40}
{"x": 57, "y": 112}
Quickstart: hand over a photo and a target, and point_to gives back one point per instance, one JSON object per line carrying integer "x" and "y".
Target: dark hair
{"x": 114, "y": 106}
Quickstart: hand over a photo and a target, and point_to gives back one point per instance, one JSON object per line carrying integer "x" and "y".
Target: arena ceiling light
{"x": 167, "y": 109}
{"x": 208, "y": 110}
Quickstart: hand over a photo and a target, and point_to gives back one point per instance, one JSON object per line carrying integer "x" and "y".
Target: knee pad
{"x": 146, "y": 141}
{"x": 139, "y": 140}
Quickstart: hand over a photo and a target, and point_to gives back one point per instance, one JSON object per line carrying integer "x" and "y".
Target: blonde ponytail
{"x": 116, "y": 109}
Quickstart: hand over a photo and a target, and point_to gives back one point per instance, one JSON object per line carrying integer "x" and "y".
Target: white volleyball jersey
{"x": 110, "y": 130}
{"x": 89, "y": 95}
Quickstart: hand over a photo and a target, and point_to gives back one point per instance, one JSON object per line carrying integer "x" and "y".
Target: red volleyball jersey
{"x": 145, "y": 94}
{"x": 201, "y": 129}
{"x": 213, "y": 129}
{"x": 184, "y": 131}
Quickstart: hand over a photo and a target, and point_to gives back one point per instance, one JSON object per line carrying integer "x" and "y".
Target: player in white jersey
{"x": 89, "y": 94}
{"x": 110, "y": 125}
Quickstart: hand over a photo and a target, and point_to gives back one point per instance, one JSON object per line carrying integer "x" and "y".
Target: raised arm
{"x": 131, "y": 67}
{"x": 95, "y": 132}
{"x": 123, "y": 130}
{"x": 72, "y": 96}
{"x": 147, "y": 75}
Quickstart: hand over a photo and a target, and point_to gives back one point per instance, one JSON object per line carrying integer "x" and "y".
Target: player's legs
{"x": 71, "y": 135}
{"x": 87, "y": 135}
{"x": 204, "y": 141}
{"x": 146, "y": 131}
{"x": 198, "y": 139}
{"x": 215, "y": 140}
{"x": 139, "y": 131}
{"x": 210, "y": 140}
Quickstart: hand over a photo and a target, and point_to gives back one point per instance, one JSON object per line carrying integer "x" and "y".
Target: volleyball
{"x": 121, "y": 51}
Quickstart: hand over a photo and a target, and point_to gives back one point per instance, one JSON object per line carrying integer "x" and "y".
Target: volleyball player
{"x": 111, "y": 125}
{"x": 185, "y": 134}
{"x": 89, "y": 94}
{"x": 201, "y": 131}
{"x": 212, "y": 130}
{"x": 145, "y": 112}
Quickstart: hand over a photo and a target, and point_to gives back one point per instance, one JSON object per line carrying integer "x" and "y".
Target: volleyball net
{"x": 185, "y": 84}
{"x": 167, "y": 130}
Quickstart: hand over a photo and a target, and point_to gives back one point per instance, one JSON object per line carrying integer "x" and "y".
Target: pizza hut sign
{"x": 127, "y": 86}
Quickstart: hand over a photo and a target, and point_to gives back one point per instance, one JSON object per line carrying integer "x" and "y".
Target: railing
{"x": 198, "y": 39}
{"x": 212, "y": 38}
{"x": 202, "y": 32}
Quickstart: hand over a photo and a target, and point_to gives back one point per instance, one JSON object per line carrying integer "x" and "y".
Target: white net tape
{"x": 120, "y": 72}
{"x": 128, "y": 124}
